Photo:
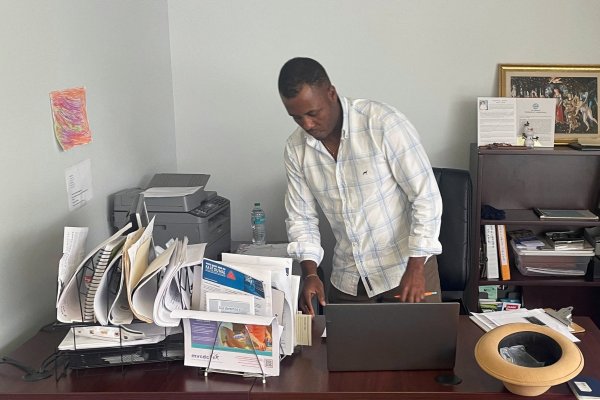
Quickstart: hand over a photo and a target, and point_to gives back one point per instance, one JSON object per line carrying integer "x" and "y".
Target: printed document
{"x": 175, "y": 290}
{"x": 73, "y": 252}
{"x": 490, "y": 320}
{"x": 79, "y": 184}
{"x": 503, "y": 120}
{"x": 220, "y": 277}
{"x": 72, "y": 306}
{"x": 282, "y": 282}
{"x": 230, "y": 342}
{"x": 145, "y": 292}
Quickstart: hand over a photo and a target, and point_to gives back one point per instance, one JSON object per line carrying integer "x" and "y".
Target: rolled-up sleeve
{"x": 412, "y": 170}
{"x": 302, "y": 220}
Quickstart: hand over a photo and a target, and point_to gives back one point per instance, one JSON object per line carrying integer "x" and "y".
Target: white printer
{"x": 183, "y": 208}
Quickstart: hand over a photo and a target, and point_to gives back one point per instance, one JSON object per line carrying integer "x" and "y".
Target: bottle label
{"x": 258, "y": 220}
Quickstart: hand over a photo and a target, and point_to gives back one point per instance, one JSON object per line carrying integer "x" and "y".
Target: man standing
{"x": 363, "y": 163}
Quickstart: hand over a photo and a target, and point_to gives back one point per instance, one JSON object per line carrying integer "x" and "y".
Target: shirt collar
{"x": 344, "y": 103}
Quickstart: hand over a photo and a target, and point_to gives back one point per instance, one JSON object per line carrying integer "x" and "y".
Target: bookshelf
{"x": 518, "y": 180}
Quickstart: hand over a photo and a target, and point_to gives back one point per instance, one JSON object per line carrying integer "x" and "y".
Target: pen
{"x": 424, "y": 294}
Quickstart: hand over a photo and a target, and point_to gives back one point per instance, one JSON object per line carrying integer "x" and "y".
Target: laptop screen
{"x": 391, "y": 336}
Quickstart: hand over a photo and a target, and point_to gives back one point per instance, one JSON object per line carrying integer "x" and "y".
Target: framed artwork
{"x": 575, "y": 88}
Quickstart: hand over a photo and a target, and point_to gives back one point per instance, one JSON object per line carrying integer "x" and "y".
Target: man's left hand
{"x": 412, "y": 284}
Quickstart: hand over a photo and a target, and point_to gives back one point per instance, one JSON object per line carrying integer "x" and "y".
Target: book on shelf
{"x": 502, "y": 245}
{"x": 482, "y": 256}
{"x": 490, "y": 305}
{"x": 488, "y": 292}
{"x": 492, "y": 266}
{"x": 565, "y": 214}
{"x": 584, "y": 147}
{"x": 510, "y": 304}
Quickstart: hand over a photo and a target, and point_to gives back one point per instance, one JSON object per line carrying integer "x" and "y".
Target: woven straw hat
{"x": 561, "y": 357}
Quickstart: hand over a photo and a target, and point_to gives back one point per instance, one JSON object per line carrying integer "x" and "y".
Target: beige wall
{"x": 118, "y": 50}
{"x": 429, "y": 58}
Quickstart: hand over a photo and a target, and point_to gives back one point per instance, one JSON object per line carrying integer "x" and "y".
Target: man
{"x": 363, "y": 163}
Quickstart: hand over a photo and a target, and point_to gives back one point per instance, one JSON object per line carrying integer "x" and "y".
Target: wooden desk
{"x": 303, "y": 376}
{"x": 168, "y": 381}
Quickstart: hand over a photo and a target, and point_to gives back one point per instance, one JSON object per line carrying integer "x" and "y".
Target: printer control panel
{"x": 210, "y": 206}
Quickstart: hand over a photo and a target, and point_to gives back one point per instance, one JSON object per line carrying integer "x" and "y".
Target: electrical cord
{"x": 31, "y": 375}
{"x": 43, "y": 372}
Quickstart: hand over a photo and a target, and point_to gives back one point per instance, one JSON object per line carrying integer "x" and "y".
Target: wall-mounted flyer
{"x": 503, "y": 120}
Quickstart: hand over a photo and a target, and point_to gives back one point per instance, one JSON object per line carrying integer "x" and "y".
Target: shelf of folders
{"x": 127, "y": 302}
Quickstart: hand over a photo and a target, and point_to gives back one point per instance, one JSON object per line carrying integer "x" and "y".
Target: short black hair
{"x": 300, "y": 71}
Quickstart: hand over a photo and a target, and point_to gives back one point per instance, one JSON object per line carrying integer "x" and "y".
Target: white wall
{"x": 118, "y": 50}
{"x": 429, "y": 58}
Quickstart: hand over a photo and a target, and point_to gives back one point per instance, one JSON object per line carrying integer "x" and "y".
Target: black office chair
{"x": 455, "y": 233}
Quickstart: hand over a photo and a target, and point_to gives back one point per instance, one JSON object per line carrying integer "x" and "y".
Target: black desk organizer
{"x": 169, "y": 349}
{"x": 122, "y": 353}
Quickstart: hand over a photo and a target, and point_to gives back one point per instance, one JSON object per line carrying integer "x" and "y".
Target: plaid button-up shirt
{"x": 380, "y": 197}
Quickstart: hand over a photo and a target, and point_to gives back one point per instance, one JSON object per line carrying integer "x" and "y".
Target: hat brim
{"x": 528, "y": 381}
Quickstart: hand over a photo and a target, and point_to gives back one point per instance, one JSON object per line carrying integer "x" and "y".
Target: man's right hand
{"x": 311, "y": 287}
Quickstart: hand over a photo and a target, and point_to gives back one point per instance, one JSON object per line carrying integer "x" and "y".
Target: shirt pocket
{"x": 368, "y": 181}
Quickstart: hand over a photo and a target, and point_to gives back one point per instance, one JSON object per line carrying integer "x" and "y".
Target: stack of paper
{"x": 490, "y": 320}
{"x": 94, "y": 337}
{"x": 244, "y": 308}
{"x": 526, "y": 239}
{"x": 121, "y": 280}
{"x": 175, "y": 290}
{"x": 75, "y": 298}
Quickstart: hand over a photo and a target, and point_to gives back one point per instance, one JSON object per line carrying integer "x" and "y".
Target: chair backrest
{"x": 455, "y": 234}
{"x": 456, "y": 231}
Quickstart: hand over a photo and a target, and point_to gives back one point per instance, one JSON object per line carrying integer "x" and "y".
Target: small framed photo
{"x": 575, "y": 88}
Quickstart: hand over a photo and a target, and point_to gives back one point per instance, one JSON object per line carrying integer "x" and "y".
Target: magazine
{"x": 230, "y": 342}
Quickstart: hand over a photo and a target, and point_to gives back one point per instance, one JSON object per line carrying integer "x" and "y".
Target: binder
{"x": 503, "y": 252}
{"x": 492, "y": 252}
{"x": 553, "y": 214}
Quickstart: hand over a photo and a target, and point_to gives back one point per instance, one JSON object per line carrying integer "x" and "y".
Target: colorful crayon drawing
{"x": 71, "y": 125}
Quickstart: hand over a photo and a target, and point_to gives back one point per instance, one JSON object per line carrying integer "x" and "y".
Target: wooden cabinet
{"x": 518, "y": 180}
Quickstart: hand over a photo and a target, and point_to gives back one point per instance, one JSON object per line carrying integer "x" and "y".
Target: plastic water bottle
{"x": 258, "y": 219}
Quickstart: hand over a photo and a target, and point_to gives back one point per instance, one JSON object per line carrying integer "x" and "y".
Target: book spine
{"x": 482, "y": 255}
{"x": 492, "y": 252}
{"x": 503, "y": 252}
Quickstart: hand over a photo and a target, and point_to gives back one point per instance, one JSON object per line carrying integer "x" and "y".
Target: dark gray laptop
{"x": 391, "y": 336}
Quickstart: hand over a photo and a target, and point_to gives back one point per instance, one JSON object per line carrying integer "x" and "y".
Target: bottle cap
{"x": 257, "y": 204}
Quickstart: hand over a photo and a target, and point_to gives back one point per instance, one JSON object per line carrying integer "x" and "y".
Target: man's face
{"x": 315, "y": 109}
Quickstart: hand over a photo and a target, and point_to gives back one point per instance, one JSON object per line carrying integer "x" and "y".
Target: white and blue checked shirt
{"x": 380, "y": 197}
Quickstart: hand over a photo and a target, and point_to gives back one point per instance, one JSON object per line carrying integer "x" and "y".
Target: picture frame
{"x": 574, "y": 86}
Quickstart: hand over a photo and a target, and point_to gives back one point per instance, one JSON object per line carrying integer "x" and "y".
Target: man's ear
{"x": 332, "y": 93}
